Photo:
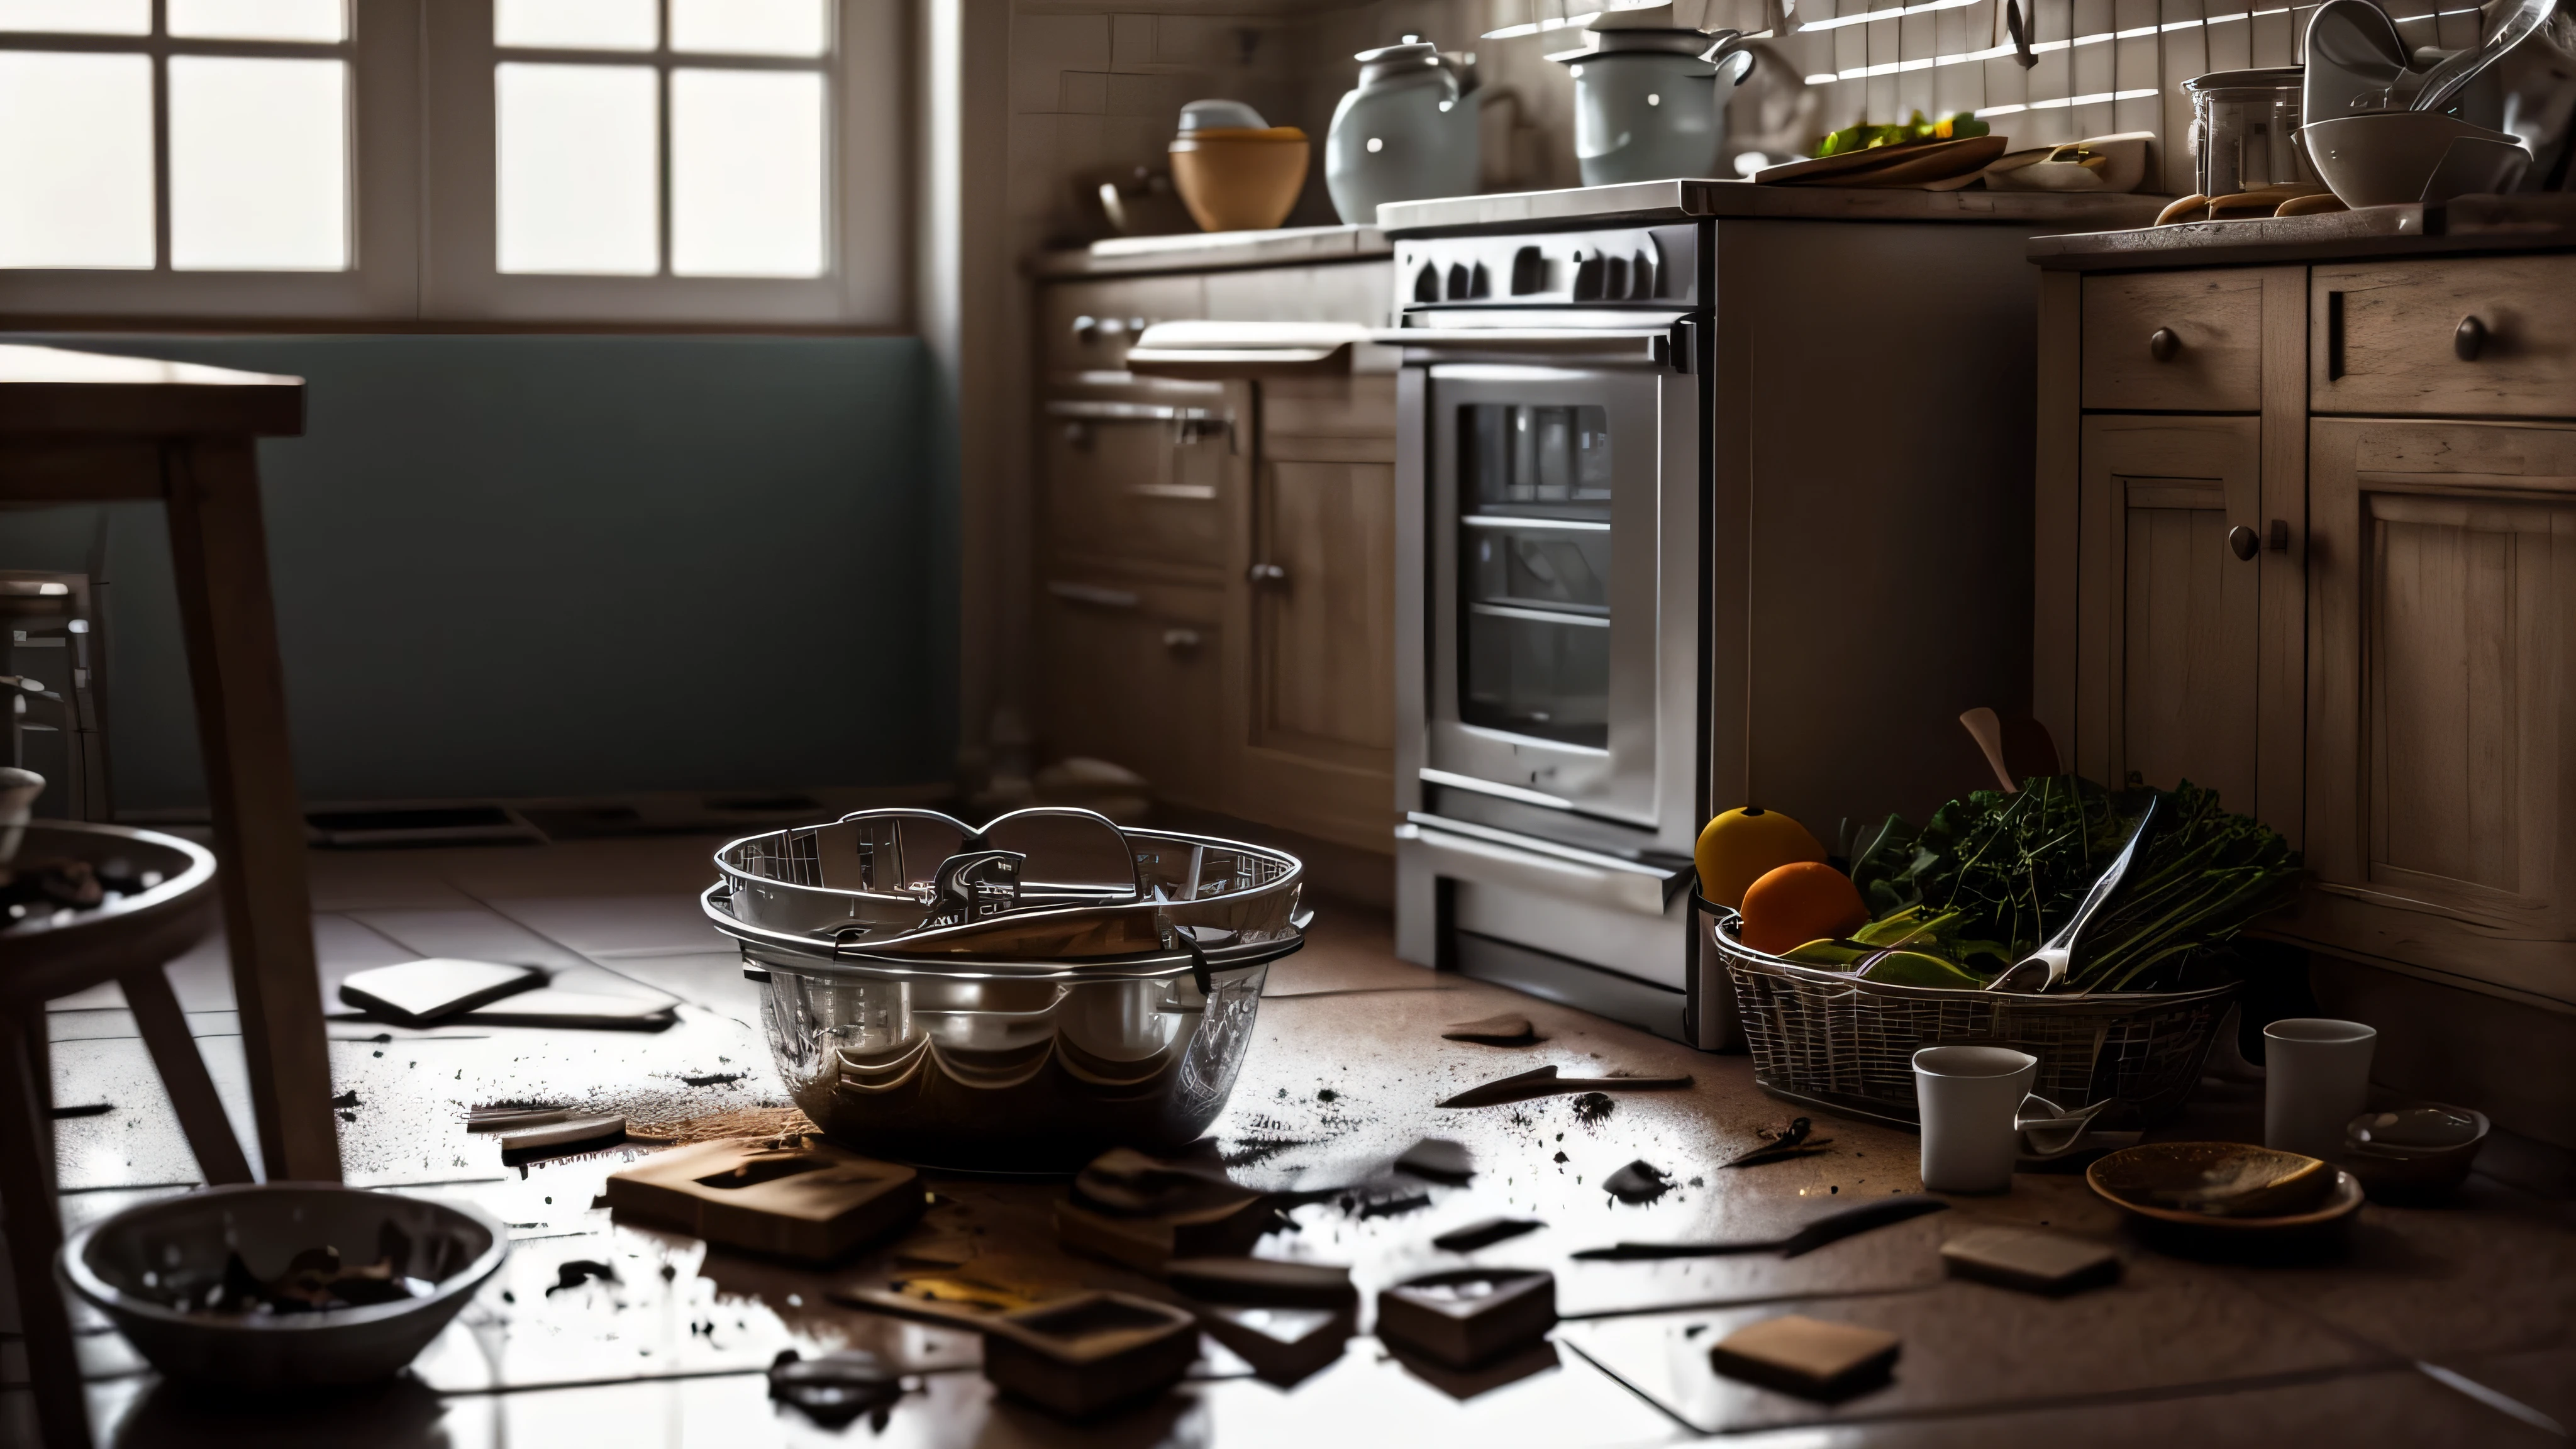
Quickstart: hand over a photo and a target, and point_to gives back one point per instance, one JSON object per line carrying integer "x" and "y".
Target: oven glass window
{"x": 1518, "y": 454}
{"x": 1534, "y": 570}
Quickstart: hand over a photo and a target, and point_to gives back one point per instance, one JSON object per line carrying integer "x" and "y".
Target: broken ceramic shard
{"x": 1283, "y": 1345}
{"x": 418, "y": 993}
{"x": 1638, "y": 1182}
{"x": 1090, "y": 1353}
{"x": 2033, "y": 1262}
{"x": 1544, "y": 1082}
{"x": 1468, "y": 1316}
{"x": 555, "y": 1139}
{"x": 1438, "y": 1159}
{"x": 1509, "y": 1029}
{"x": 1484, "y": 1234}
{"x": 805, "y": 1199}
{"x": 1262, "y": 1281}
{"x": 1807, "y": 1356}
{"x": 1143, "y": 1211}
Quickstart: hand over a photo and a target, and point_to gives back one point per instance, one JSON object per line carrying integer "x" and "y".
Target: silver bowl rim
{"x": 199, "y": 873}
{"x": 804, "y": 955}
{"x": 728, "y": 872}
{"x": 107, "y": 1297}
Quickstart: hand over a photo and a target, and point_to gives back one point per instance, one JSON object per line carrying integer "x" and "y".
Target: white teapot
{"x": 1408, "y": 132}
{"x": 1647, "y": 99}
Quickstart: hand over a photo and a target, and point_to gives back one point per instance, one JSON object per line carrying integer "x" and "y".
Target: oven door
{"x": 1547, "y": 542}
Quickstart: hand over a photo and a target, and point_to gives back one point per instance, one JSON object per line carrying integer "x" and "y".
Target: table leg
{"x": 184, "y": 1076}
{"x": 34, "y": 1227}
{"x": 219, "y": 553}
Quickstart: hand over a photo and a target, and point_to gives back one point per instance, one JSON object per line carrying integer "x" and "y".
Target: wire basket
{"x": 1829, "y": 1040}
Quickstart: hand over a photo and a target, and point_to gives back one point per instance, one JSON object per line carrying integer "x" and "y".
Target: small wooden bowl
{"x": 1240, "y": 180}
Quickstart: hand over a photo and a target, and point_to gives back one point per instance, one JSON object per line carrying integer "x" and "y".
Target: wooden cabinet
{"x": 1216, "y": 558}
{"x": 2382, "y": 665}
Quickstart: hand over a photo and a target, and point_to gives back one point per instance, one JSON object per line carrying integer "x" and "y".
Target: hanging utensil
{"x": 2055, "y": 955}
{"x": 2444, "y": 82}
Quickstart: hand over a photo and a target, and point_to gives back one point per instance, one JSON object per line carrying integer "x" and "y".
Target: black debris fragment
{"x": 577, "y": 1271}
{"x": 1438, "y": 1159}
{"x": 1638, "y": 1182}
{"x": 1592, "y": 1107}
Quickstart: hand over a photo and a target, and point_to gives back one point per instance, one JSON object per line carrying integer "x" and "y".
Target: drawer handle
{"x": 1267, "y": 573}
{"x": 1181, "y": 641}
{"x": 2470, "y": 339}
{"x": 2162, "y": 344}
{"x": 2242, "y": 542}
{"x": 1093, "y": 595}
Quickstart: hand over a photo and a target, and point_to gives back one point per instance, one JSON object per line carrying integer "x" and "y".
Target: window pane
{"x": 259, "y": 164}
{"x": 751, "y": 27}
{"x": 746, "y": 173}
{"x": 75, "y": 160}
{"x": 580, "y": 165}
{"x": 576, "y": 24}
{"x": 322, "y": 20}
{"x": 85, "y": 17}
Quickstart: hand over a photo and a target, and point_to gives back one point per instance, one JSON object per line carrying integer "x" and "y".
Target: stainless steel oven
{"x": 1550, "y": 493}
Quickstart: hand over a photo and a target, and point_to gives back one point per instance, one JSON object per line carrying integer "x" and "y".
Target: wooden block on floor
{"x": 1089, "y": 1353}
{"x": 2033, "y": 1262}
{"x": 1806, "y": 1356}
{"x": 1262, "y": 1281}
{"x": 1220, "y": 1228}
{"x": 810, "y": 1201}
{"x": 1283, "y": 1345}
{"x": 1466, "y": 1316}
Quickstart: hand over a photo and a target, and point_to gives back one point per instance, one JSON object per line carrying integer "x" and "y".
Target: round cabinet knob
{"x": 1267, "y": 573}
{"x": 2470, "y": 339}
{"x": 1086, "y": 329}
{"x": 2242, "y": 542}
{"x": 2162, "y": 344}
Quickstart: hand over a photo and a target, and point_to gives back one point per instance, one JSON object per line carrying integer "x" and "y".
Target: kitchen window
{"x": 583, "y": 162}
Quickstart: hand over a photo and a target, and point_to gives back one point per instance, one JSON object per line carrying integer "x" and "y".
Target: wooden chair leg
{"x": 184, "y": 1076}
{"x": 34, "y": 1227}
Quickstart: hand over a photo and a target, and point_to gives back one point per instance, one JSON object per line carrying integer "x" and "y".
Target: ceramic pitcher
{"x": 1650, "y": 101}
{"x": 1407, "y": 132}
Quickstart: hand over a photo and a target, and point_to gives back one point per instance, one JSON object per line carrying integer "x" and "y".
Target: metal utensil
{"x": 1832, "y": 1227}
{"x": 2057, "y": 953}
{"x": 2445, "y": 81}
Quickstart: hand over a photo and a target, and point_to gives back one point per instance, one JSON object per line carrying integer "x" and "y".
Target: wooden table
{"x": 77, "y": 427}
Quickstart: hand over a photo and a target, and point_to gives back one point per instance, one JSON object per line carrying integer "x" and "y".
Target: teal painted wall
{"x": 536, "y": 565}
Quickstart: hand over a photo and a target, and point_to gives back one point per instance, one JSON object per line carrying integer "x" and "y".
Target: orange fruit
{"x": 1740, "y": 845}
{"x": 1802, "y": 901}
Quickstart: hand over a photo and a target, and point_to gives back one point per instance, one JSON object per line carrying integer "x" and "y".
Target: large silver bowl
{"x": 1028, "y": 1064}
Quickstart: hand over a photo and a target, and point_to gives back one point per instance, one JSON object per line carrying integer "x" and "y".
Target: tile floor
{"x": 1345, "y": 1061}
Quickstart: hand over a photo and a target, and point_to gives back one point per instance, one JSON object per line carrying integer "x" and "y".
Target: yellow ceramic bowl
{"x": 1240, "y": 180}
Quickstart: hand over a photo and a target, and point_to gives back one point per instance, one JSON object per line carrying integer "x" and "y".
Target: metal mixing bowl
{"x": 1029, "y": 1063}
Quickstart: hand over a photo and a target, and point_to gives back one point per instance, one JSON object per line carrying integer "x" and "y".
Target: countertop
{"x": 2450, "y": 1325}
{"x": 1212, "y": 251}
{"x": 2534, "y": 221}
{"x": 1680, "y": 200}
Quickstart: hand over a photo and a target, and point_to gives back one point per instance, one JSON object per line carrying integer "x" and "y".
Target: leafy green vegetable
{"x": 1986, "y": 879}
{"x": 1867, "y": 137}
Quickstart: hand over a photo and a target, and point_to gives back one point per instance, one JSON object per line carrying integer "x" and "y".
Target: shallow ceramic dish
{"x": 131, "y": 1265}
{"x": 2386, "y": 158}
{"x": 2406, "y": 1170}
{"x": 2133, "y": 1177}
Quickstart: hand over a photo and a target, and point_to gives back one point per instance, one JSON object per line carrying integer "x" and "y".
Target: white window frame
{"x": 864, "y": 281}
{"x": 423, "y": 200}
{"x": 381, "y": 281}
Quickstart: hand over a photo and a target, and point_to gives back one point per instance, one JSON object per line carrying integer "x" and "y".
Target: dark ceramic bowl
{"x": 135, "y": 1265}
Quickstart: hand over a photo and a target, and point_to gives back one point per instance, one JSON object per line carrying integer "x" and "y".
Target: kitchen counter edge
{"x": 1212, "y": 251}
{"x": 2532, "y": 221}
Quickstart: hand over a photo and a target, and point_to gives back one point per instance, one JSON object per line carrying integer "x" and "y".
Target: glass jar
{"x": 2244, "y": 132}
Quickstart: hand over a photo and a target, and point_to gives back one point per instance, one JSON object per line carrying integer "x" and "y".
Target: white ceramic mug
{"x": 2316, "y": 1078}
{"x": 1967, "y": 1098}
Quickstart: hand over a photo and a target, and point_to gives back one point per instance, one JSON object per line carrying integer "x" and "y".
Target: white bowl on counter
{"x": 2387, "y": 158}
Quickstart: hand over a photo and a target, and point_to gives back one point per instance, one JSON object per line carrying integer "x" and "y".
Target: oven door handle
{"x": 1428, "y": 343}
{"x": 1549, "y": 870}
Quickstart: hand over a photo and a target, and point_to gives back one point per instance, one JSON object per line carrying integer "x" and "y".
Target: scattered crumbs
{"x": 1593, "y": 1106}
{"x": 1695, "y": 1330}
{"x": 376, "y": 1053}
{"x": 1833, "y": 1189}
{"x": 669, "y": 1272}
{"x": 1560, "y": 1157}
{"x": 577, "y": 1271}
{"x": 509, "y": 1297}
{"x": 348, "y": 1098}
{"x": 714, "y": 1079}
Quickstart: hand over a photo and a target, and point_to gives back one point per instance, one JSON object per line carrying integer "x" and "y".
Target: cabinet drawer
{"x": 1360, "y": 407}
{"x": 1088, "y": 326}
{"x": 2479, "y": 336}
{"x": 2174, "y": 341}
{"x": 1142, "y": 488}
{"x": 1131, "y": 676}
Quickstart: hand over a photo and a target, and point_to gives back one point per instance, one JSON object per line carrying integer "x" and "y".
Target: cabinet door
{"x": 2168, "y": 678}
{"x": 1136, "y": 482}
{"x": 1131, "y": 677}
{"x": 1314, "y": 686}
{"x": 2442, "y": 697}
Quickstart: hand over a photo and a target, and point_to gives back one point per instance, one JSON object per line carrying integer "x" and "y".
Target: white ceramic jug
{"x": 1648, "y": 97}
{"x": 1408, "y": 132}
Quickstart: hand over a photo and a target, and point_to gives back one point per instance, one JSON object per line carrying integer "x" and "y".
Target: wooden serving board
{"x": 809, "y": 1200}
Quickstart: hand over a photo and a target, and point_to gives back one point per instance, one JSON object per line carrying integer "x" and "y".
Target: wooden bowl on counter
{"x": 1239, "y": 179}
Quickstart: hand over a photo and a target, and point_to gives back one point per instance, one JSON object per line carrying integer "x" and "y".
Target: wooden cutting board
{"x": 806, "y": 1200}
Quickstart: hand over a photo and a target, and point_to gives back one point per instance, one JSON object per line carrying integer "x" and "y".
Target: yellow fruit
{"x": 1800, "y": 902}
{"x": 1740, "y": 846}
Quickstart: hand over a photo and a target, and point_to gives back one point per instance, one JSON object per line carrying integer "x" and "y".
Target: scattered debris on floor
{"x": 1509, "y": 1029}
{"x": 769, "y": 1122}
{"x": 1780, "y": 1142}
{"x": 85, "y": 1109}
{"x": 1438, "y": 1159}
{"x": 1592, "y": 1108}
{"x": 838, "y": 1387}
{"x": 1484, "y": 1234}
{"x": 574, "y": 1272}
{"x": 1391, "y": 1207}
{"x": 1638, "y": 1182}
{"x": 1545, "y": 1082}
